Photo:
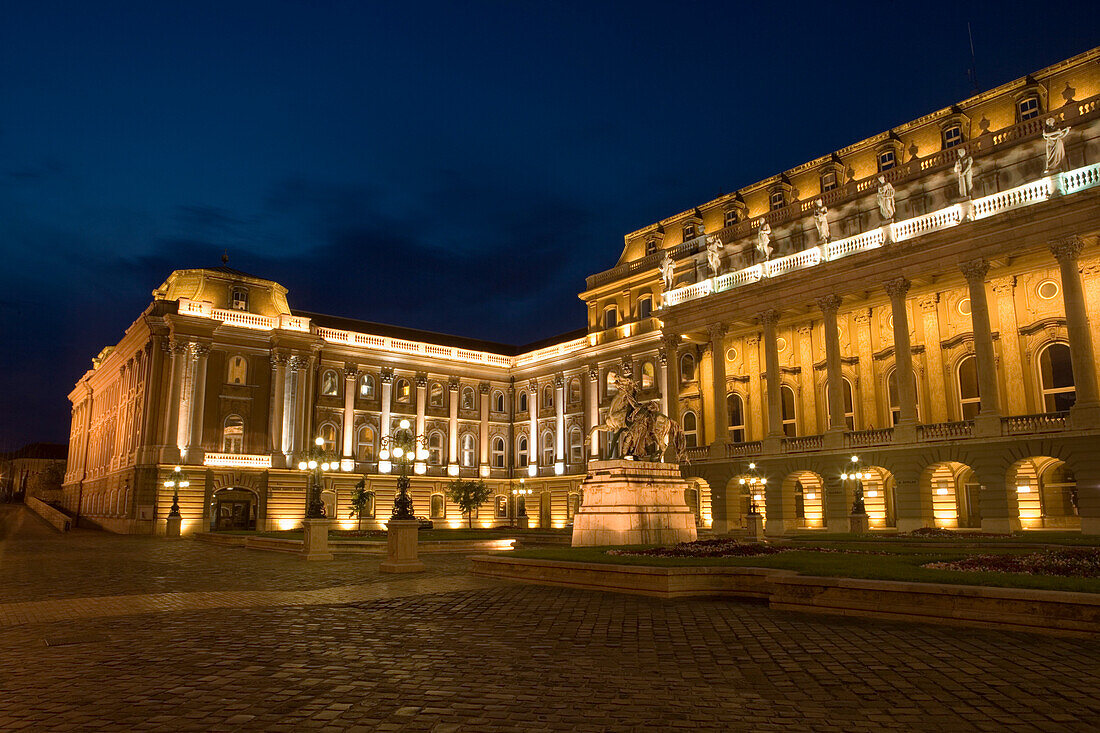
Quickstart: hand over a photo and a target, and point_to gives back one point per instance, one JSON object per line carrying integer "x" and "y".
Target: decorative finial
{"x": 225, "y": 257}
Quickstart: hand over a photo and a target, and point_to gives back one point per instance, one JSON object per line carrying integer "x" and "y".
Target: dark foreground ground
{"x": 448, "y": 652}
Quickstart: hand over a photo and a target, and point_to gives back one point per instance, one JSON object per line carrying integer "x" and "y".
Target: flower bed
{"x": 707, "y": 548}
{"x": 1078, "y": 563}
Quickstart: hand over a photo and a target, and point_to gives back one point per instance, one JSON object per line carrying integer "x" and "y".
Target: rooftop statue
{"x": 964, "y": 169}
{"x": 667, "y": 268}
{"x": 1056, "y": 145}
{"x": 714, "y": 256}
{"x": 637, "y": 429}
{"x": 763, "y": 239}
{"x": 886, "y": 207}
{"x": 821, "y": 221}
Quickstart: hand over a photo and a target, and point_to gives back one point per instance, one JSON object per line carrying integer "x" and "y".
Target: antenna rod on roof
{"x": 972, "y": 72}
{"x": 225, "y": 257}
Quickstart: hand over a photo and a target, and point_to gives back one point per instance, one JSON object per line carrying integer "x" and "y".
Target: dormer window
{"x": 690, "y": 231}
{"x": 239, "y": 298}
{"x": 952, "y": 136}
{"x": 650, "y": 246}
{"x": 730, "y": 218}
{"x": 887, "y": 159}
{"x": 777, "y": 199}
{"x": 828, "y": 181}
{"x": 1027, "y": 108}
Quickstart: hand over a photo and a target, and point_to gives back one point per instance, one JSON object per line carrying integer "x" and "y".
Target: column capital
{"x": 1002, "y": 285}
{"x": 177, "y": 345}
{"x": 769, "y": 317}
{"x": 593, "y": 372}
{"x": 662, "y": 356}
{"x": 533, "y": 386}
{"x": 717, "y": 331}
{"x": 200, "y": 350}
{"x": 386, "y": 375}
{"x": 421, "y": 379}
{"x": 452, "y": 383}
{"x": 559, "y": 380}
{"x": 1066, "y": 249}
{"x": 897, "y": 287}
{"x": 829, "y": 303}
{"x": 975, "y": 270}
{"x": 752, "y": 340}
{"x": 804, "y": 329}
{"x": 670, "y": 339}
{"x": 928, "y": 302}
{"x": 483, "y": 388}
{"x": 279, "y": 359}
{"x": 862, "y": 316}
{"x": 626, "y": 367}
{"x": 351, "y": 371}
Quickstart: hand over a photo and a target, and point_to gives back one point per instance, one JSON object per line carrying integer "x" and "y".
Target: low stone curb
{"x": 58, "y": 519}
{"x": 1018, "y": 609}
{"x": 351, "y": 547}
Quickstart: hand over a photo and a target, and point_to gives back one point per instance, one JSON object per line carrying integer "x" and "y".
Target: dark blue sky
{"x": 452, "y": 166}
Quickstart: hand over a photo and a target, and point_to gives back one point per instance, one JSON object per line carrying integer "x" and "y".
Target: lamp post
{"x": 858, "y": 521}
{"x": 516, "y": 493}
{"x": 403, "y": 447}
{"x": 175, "y": 481}
{"x": 316, "y": 463}
{"x": 755, "y": 483}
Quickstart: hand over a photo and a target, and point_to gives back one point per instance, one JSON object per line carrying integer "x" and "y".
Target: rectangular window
{"x": 828, "y": 181}
{"x": 610, "y": 318}
{"x": 645, "y": 307}
{"x": 650, "y": 246}
{"x": 778, "y": 200}
{"x": 952, "y": 136}
{"x": 1028, "y": 107}
{"x": 886, "y": 160}
{"x": 731, "y": 218}
{"x": 689, "y": 232}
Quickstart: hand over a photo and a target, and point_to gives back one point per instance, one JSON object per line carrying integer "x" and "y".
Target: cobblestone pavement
{"x": 428, "y": 654}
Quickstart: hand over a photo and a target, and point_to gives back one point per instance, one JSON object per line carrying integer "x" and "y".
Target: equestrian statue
{"x": 637, "y": 429}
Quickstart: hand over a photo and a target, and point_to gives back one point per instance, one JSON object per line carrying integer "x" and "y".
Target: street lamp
{"x": 316, "y": 464}
{"x": 175, "y": 482}
{"x": 521, "y": 491}
{"x": 755, "y": 483}
{"x": 403, "y": 448}
{"x": 856, "y": 474}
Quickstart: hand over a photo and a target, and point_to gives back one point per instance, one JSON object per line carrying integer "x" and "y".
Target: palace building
{"x": 926, "y": 300}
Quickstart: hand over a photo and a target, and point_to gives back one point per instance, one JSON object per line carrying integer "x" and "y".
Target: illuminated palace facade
{"x": 946, "y": 338}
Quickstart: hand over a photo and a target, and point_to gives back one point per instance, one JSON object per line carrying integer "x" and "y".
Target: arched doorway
{"x": 233, "y": 508}
{"x": 1046, "y": 491}
{"x": 806, "y": 492}
{"x": 955, "y": 495}
{"x": 879, "y": 497}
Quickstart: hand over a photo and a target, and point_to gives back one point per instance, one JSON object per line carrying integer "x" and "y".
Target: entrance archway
{"x": 805, "y": 492}
{"x": 1046, "y": 491}
{"x": 879, "y": 497}
{"x": 233, "y": 508}
{"x": 955, "y": 495}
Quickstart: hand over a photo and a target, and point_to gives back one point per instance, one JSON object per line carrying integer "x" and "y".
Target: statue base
{"x": 859, "y": 523}
{"x": 633, "y": 503}
{"x": 755, "y": 527}
{"x": 401, "y": 540}
{"x": 315, "y": 540}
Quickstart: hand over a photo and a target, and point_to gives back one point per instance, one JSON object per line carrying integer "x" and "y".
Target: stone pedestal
{"x": 755, "y": 523}
{"x": 859, "y": 523}
{"x": 174, "y": 525}
{"x": 401, "y": 539}
{"x": 315, "y": 546}
{"x": 633, "y": 503}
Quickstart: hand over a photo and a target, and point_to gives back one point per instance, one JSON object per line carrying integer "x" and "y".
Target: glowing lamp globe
{"x": 302, "y": 465}
{"x": 319, "y": 440}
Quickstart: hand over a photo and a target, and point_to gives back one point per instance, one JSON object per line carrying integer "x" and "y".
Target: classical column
{"x": 830, "y": 305}
{"x": 861, "y": 326}
{"x": 717, "y": 333}
{"x": 198, "y": 403}
{"x": 177, "y": 354}
{"x": 301, "y": 437}
{"x": 483, "y": 444}
{"x": 662, "y": 377}
{"x": 768, "y": 319}
{"x": 593, "y": 412}
{"x": 154, "y": 388}
{"x": 671, "y": 342}
{"x": 1003, "y": 292}
{"x": 936, "y": 404}
{"x": 452, "y": 422}
{"x": 988, "y": 421}
{"x": 1090, "y": 275}
{"x": 806, "y": 386}
{"x": 278, "y": 404}
{"x": 351, "y": 374}
{"x": 905, "y": 431}
{"x": 559, "y": 422}
{"x": 756, "y": 395}
{"x": 386, "y": 377}
{"x": 534, "y": 445}
{"x": 421, "y": 401}
{"x": 1086, "y": 408}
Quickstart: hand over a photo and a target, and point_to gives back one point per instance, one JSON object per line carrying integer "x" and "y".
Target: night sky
{"x": 458, "y": 167}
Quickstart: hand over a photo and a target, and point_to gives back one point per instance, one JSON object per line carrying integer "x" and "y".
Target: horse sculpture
{"x": 638, "y": 429}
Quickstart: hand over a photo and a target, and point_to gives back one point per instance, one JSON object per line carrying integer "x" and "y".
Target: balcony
{"x": 237, "y": 460}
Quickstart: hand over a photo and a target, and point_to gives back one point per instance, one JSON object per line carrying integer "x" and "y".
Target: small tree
{"x": 469, "y": 495}
{"x": 361, "y": 499}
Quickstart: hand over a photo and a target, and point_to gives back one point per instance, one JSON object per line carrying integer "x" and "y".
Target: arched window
{"x": 548, "y": 448}
{"x": 969, "y": 399}
{"x": 366, "y": 386}
{"x": 233, "y": 434}
{"x": 610, "y": 387}
{"x": 435, "y": 395}
{"x": 469, "y": 402}
{"x": 649, "y": 375}
{"x": 328, "y": 437}
{"x": 894, "y": 397}
{"x": 849, "y": 403}
{"x": 610, "y": 317}
{"x": 1056, "y": 378}
{"x": 523, "y": 401}
{"x": 521, "y": 451}
{"x": 238, "y": 370}
{"x": 435, "y": 448}
{"x": 498, "y": 401}
{"x": 402, "y": 389}
{"x": 548, "y": 397}
{"x": 574, "y": 391}
{"x": 735, "y": 405}
{"x": 687, "y": 368}
{"x": 786, "y": 394}
{"x": 438, "y": 507}
{"x": 497, "y": 452}
{"x": 468, "y": 454}
{"x": 645, "y": 307}
{"x": 691, "y": 429}
{"x": 576, "y": 446}
{"x": 364, "y": 444}
{"x": 330, "y": 383}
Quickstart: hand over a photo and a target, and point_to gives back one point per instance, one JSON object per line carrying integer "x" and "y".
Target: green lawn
{"x": 903, "y": 564}
{"x": 429, "y": 535}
